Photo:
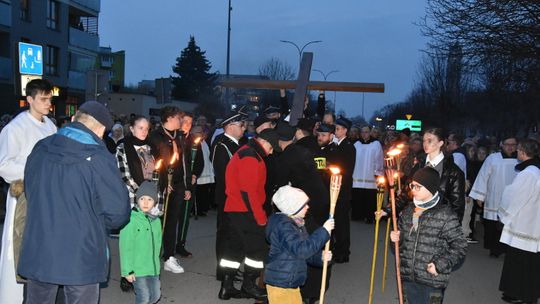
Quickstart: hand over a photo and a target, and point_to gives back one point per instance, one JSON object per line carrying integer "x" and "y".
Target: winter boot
{"x": 249, "y": 285}
{"x": 228, "y": 290}
{"x": 181, "y": 250}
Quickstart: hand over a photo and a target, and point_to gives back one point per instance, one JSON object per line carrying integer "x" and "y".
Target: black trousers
{"x": 520, "y": 276}
{"x": 244, "y": 238}
{"x": 205, "y": 197}
{"x": 492, "y": 235}
{"x": 174, "y": 225}
{"x": 364, "y": 204}
{"x": 342, "y": 231}
{"x": 43, "y": 293}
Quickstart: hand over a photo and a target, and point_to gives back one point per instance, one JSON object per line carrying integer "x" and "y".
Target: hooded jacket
{"x": 75, "y": 194}
{"x": 291, "y": 249}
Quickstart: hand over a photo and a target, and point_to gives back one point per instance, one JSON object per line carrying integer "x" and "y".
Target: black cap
{"x": 239, "y": 115}
{"x": 429, "y": 178}
{"x": 271, "y": 136}
{"x": 99, "y": 112}
{"x": 306, "y": 124}
{"x": 344, "y": 122}
{"x": 326, "y": 128}
{"x": 285, "y": 131}
{"x": 271, "y": 109}
{"x": 260, "y": 120}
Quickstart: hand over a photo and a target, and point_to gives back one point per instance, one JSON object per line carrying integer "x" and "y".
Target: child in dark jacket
{"x": 291, "y": 247}
{"x": 431, "y": 241}
{"x": 140, "y": 244}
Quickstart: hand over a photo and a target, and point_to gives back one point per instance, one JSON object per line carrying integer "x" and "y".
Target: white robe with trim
{"x": 369, "y": 162}
{"x": 495, "y": 174}
{"x": 520, "y": 211}
{"x": 17, "y": 140}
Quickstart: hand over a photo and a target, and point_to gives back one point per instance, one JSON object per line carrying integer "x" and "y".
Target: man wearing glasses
{"x": 496, "y": 173}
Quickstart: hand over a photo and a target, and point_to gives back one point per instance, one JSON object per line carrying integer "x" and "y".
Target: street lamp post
{"x": 227, "y": 92}
{"x": 300, "y": 49}
{"x": 326, "y": 76}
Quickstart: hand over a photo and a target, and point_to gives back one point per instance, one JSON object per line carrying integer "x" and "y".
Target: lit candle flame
{"x": 381, "y": 180}
{"x": 396, "y": 175}
{"x": 334, "y": 170}
{"x": 394, "y": 152}
{"x": 197, "y": 140}
{"x": 173, "y": 158}
{"x": 158, "y": 164}
{"x": 400, "y": 146}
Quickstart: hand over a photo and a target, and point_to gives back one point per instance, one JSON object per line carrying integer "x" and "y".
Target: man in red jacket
{"x": 245, "y": 179}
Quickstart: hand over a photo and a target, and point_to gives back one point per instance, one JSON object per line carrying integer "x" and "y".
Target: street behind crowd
{"x": 476, "y": 282}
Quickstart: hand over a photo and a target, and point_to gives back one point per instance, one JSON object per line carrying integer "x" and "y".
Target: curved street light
{"x": 327, "y": 74}
{"x": 300, "y": 49}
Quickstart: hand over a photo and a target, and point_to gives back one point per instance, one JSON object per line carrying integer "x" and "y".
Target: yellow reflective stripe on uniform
{"x": 254, "y": 264}
{"x": 320, "y": 162}
{"x": 229, "y": 264}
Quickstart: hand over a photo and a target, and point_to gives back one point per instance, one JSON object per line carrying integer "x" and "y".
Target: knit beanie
{"x": 147, "y": 188}
{"x": 429, "y": 178}
{"x": 290, "y": 200}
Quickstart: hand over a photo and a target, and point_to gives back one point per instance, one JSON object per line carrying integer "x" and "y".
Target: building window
{"x": 51, "y": 61}
{"x": 52, "y": 14}
{"x": 25, "y": 10}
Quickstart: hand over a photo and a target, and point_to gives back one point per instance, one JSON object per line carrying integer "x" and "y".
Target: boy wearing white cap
{"x": 291, "y": 247}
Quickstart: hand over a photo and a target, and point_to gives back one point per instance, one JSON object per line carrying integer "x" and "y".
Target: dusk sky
{"x": 367, "y": 41}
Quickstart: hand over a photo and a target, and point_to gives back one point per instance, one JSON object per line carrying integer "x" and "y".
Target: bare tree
{"x": 275, "y": 69}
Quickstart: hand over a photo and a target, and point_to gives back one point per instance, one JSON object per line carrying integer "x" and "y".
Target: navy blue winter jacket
{"x": 291, "y": 248}
{"x": 75, "y": 193}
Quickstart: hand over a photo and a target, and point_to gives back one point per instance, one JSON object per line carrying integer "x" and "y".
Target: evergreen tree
{"x": 194, "y": 81}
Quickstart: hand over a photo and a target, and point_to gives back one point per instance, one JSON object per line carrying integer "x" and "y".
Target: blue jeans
{"x": 417, "y": 293}
{"x": 147, "y": 289}
{"x": 43, "y": 293}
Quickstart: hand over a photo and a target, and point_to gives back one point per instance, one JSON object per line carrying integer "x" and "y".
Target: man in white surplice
{"x": 17, "y": 140}
{"x": 496, "y": 173}
{"x": 369, "y": 162}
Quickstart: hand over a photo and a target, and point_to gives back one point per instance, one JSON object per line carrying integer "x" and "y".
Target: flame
{"x": 173, "y": 158}
{"x": 400, "y": 146}
{"x": 335, "y": 170}
{"x": 396, "y": 175}
{"x": 381, "y": 180}
{"x": 394, "y": 152}
{"x": 158, "y": 164}
{"x": 197, "y": 140}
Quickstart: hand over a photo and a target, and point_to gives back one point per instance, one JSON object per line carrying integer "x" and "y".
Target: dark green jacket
{"x": 140, "y": 243}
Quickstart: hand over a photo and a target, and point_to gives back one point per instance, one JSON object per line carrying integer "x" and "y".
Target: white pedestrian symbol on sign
{"x": 23, "y": 59}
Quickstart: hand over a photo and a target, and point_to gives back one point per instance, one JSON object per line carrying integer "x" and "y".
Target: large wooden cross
{"x": 301, "y": 85}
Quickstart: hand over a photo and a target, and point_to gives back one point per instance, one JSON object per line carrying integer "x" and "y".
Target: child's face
{"x": 146, "y": 203}
{"x": 302, "y": 213}
{"x": 420, "y": 192}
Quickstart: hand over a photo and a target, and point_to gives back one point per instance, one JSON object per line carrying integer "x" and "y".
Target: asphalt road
{"x": 476, "y": 282}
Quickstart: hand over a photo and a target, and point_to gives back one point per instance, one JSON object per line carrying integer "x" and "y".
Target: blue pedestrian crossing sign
{"x": 30, "y": 59}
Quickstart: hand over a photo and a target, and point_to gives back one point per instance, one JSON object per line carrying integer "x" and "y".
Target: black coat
{"x": 296, "y": 166}
{"x": 221, "y": 153}
{"x": 345, "y": 158}
{"x": 452, "y": 186}
{"x": 438, "y": 239}
{"x": 162, "y": 148}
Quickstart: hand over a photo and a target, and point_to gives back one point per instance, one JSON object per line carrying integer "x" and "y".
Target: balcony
{"x": 77, "y": 80}
{"x": 93, "y": 5}
{"x": 5, "y": 68}
{"x": 83, "y": 39}
{"x": 5, "y": 14}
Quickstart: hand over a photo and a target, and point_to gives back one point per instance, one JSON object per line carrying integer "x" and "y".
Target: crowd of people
{"x": 75, "y": 183}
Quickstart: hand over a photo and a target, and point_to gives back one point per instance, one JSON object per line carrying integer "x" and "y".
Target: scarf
{"x": 133, "y": 159}
{"x": 300, "y": 222}
{"x": 420, "y": 207}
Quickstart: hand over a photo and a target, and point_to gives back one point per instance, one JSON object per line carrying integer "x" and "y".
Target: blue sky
{"x": 367, "y": 41}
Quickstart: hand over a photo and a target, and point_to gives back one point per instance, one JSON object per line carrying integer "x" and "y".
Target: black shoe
{"x": 509, "y": 299}
{"x": 471, "y": 240}
{"x": 227, "y": 290}
{"x": 250, "y": 287}
{"x": 341, "y": 260}
{"x": 181, "y": 250}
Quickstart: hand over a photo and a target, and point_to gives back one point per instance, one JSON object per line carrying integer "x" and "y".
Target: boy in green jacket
{"x": 140, "y": 243}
